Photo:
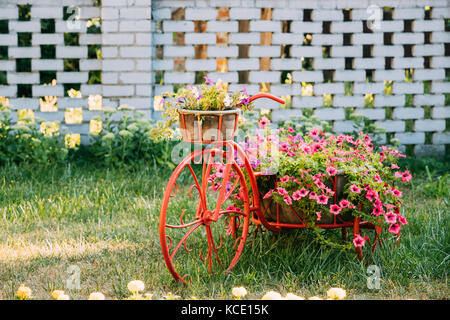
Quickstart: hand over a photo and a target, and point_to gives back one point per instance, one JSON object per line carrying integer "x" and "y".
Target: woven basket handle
{"x": 266, "y": 95}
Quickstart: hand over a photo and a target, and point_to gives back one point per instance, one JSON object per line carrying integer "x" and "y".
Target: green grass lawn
{"x": 106, "y": 223}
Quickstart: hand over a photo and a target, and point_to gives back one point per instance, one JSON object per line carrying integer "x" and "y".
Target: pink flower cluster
{"x": 370, "y": 187}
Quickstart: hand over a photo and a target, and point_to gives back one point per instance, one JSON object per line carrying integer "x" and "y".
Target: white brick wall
{"x": 136, "y": 50}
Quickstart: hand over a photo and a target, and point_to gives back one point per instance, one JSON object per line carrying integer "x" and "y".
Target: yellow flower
{"x": 315, "y": 298}
{"x": 291, "y": 296}
{"x": 63, "y": 297}
{"x": 272, "y": 295}
{"x": 136, "y": 286}
{"x": 148, "y": 296}
{"x": 96, "y": 296}
{"x": 239, "y": 292}
{"x": 336, "y": 293}
{"x": 171, "y": 296}
{"x": 56, "y": 294}
{"x": 23, "y": 293}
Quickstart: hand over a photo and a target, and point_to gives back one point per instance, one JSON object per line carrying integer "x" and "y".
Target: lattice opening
{"x": 95, "y": 77}
{"x": 349, "y": 63}
{"x": 48, "y": 51}
{"x": 25, "y": 116}
{"x": 24, "y": 12}
{"x": 347, "y": 13}
{"x": 73, "y": 115}
{"x": 95, "y": 126}
{"x": 408, "y": 25}
{"x": 388, "y": 13}
{"x": 71, "y": 65}
{"x": 307, "y": 15}
{"x": 388, "y": 38}
{"x": 94, "y": 51}
{"x": 4, "y": 26}
{"x": 46, "y": 76}
{"x": 49, "y": 128}
{"x": 71, "y": 39}
{"x": 72, "y": 140}
{"x": 47, "y": 25}
{"x": 24, "y": 90}
{"x": 24, "y": 39}
{"x": 348, "y": 39}
{"x": 3, "y": 78}
{"x": 3, "y": 53}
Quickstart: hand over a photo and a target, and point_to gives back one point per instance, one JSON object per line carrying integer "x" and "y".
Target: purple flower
{"x": 245, "y": 101}
{"x": 254, "y": 163}
{"x": 208, "y": 80}
{"x": 199, "y": 96}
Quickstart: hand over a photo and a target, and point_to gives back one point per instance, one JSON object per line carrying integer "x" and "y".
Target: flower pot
{"x": 208, "y": 126}
{"x": 288, "y": 215}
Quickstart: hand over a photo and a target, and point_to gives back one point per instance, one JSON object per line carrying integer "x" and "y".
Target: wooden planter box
{"x": 287, "y": 215}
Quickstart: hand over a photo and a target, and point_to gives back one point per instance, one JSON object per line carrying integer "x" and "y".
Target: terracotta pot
{"x": 286, "y": 214}
{"x": 208, "y": 126}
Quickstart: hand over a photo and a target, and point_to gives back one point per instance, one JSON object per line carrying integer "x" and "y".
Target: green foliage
{"x": 130, "y": 141}
{"x": 24, "y": 142}
{"x": 437, "y": 186}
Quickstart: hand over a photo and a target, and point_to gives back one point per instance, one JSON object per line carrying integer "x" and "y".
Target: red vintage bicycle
{"x": 198, "y": 219}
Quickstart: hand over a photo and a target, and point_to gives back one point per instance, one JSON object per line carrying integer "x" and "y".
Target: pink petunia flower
{"x": 282, "y": 191}
{"x": 377, "y": 211}
{"x": 287, "y": 199}
{"x": 302, "y": 192}
{"x": 312, "y": 195}
{"x": 344, "y": 204}
{"x": 396, "y": 193}
{"x": 297, "y": 195}
{"x": 394, "y": 166}
{"x": 359, "y": 241}
{"x": 390, "y": 217}
{"x": 313, "y": 133}
{"x": 406, "y": 176}
{"x": 394, "y": 228}
{"x": 263, "y": 122}
{"x": 335, "y": 209}
{"x": 285, "y": 179}
{"x": 319, "y": 184}
{"x": 372, "y": 195}
{"x": 377, "y": 178}
{"x": 322, "y": 199}
{"x": 331, "y": 170}
{"x": 355, "y": 189}
{"x": 268, "y": 194}
{"x": 402, "y": 219}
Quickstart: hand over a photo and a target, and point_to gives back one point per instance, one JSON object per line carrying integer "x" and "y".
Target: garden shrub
{"x": 132, "y": 140}
{"x": 24, "y": 142}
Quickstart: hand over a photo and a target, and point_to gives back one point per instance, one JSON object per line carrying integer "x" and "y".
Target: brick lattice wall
{"x": 328, "y": 56}
{"x": 98, "y": 47}
{"x": 386, "y": 59}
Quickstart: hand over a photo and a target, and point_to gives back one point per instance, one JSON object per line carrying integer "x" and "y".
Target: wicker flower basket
{"x": 208, "y": 126}
{"x": 287, "y": 214}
